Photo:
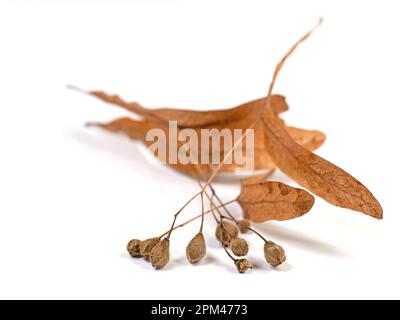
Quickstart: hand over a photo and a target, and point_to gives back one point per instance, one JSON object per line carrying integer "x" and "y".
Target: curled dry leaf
{"x": 315, "y": 173}
{"x": 240, "y": 117}
{"x": 137, "y": 129}
{"x": 270, "y": 200}
{"x": 187, "y": 118}
{"x": 309, "y": 139}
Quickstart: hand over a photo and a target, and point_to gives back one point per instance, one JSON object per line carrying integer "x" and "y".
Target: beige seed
{"x": 239, "y": 247}
{"x": 274, "y": 253}
{"x": 243, "y": 225}
{"x": 133, "y": 248}
{"x": 225, "y": 232}
{"x": 242, "y": 265}
{"x": 147, "y": 245}
{"x": 159, "y": 255}
{"x": 196, "y": 249}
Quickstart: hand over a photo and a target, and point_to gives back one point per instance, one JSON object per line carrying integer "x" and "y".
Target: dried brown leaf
{"x": 137, "y": 130}
{"x": 270, "y": 200}
{"x": 309, "y": 139}
{"x": 315, "y": 173}
{"x": 191, "y": 118}
{"x": 240, "y": 117}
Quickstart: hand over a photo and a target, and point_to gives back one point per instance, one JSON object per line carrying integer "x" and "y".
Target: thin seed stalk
{"x": 196, "y": 217}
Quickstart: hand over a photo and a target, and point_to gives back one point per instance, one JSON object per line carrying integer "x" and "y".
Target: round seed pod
{"x": 239, "y": 247}
{"x": 159, "y": 255}
{"x": 225, "y": 232}
{"x": 243, "y": 225}
{"x": 196, "y": 249}
{"x": 133, "y": 248}
{"x": 242, "y": 265}
{"x": 147, "y": 245}
{"x": 274, "y": 254}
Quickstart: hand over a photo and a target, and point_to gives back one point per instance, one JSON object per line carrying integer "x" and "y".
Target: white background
{"x": 71, "y": 197}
